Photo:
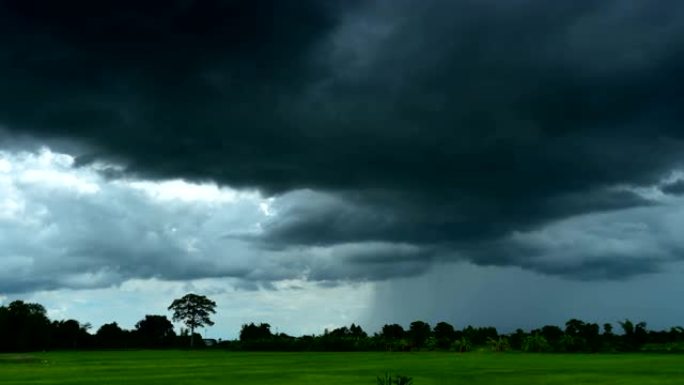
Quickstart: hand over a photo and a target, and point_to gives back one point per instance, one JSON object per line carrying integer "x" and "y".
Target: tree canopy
{"x": 194, "y": 311}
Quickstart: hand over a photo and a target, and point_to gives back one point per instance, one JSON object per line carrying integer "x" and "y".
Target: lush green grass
{"x": 218, "y": 367}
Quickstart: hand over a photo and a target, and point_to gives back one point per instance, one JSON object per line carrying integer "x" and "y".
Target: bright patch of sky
{"x": 292, "y": 306}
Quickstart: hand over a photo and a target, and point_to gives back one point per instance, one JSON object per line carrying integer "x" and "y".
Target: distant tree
{"x": 110, "y": 336}
{"x": 627, "y": 327}
{"x": 552, "y": 333}
{"x": 517, "y": 339}
{"x": 592, "y": 335}
{"x": 4, "y": 329}
{"x": 70, "y": 334}
{"x": 391, "y": 337}
{"x": 608, "y": 338}
{"x": 254, "y": 332}
{"x": 573, "y": 327}
{"x": 479, "y": 336}
{"x": 640, "y": 334}
{"x": 462, "y": 345}
{"x": 392, "y": 332}
{"x": 500, "y": 344}
{"x": 535, "y": 343}
{"x": 419, "y": 332}
{"x": 193, "y": 310}
{"x": 634, "y": 335}
{"x": 607, "y": 329}
{"x": 581, "y": 336}
{"x": 356, "y": 331}
{"x": 24, "y": 326}
{"x": 340, "y": 332}
{"x": 675, "y": 334}
{"x": 444, "y": 334}
{"x": 353, "y": 331}
{"x": 155, "y": 331}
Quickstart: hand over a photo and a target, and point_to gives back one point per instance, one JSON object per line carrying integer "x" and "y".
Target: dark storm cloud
{"x": 586, "y": 262}
{"x": 369, "y": 262}
{"x": 674, "y": 188}
{"x": 426, "y": 122}
{"x": 308, "y": 218}
{"x": 609, "y": 268}
{"x": 189, "y": 86}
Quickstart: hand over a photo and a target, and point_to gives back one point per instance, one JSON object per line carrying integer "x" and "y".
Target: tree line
{"x": 575, "y": 337}
{"x": 26, "y": 327}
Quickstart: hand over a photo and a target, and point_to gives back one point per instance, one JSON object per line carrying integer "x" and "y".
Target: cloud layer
{"x": 387, "y": 134}
{"x": 63, "y": 226}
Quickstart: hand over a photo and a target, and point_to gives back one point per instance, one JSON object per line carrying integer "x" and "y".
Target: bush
{"x": 396, "y": 380}
{"x": 499, "y": 345}
{"x": 536, "y": 343}
{"x": 462, "y": 345}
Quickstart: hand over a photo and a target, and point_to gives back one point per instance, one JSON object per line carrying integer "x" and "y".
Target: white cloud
{"x": 179, "y": 190}
{"x": 66, "y": 226}
{"x": 5, "y": 166}
{"x": 70, "y": 227}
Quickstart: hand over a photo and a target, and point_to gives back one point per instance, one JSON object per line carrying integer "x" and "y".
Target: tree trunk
{"x": 192, "y": 337}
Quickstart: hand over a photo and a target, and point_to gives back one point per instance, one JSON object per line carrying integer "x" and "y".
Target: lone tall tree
{"x": 193, "y": 310}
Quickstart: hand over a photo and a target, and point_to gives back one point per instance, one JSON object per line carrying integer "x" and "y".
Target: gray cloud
{"x": 629, "y": 238}
{"x": 311, "y": 218}
{"x": 674, "y": 188}
{"x": 67, "y": 227}
{"x": 444, "y": 126}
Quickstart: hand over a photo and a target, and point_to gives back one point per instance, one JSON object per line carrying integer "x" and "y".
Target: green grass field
{"x": 218, "y": 367}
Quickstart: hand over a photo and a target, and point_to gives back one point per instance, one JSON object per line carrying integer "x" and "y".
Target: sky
{"x": 316, "y": 163}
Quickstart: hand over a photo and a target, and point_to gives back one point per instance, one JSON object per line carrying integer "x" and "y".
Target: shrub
{"x": 396, "y": 380}
{"x": 536, "y": 343}
{"x": 462, "y": 345}
{"x": 499, "y": 345}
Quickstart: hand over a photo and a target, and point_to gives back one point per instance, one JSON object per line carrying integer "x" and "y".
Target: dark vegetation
{"x": 194, "y": 311}
{"x": 26, "y": 327}
{"x": 398, "y": 379}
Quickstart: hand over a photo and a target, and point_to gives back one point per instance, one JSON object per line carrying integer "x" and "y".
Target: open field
{"x": 218, "y": 367}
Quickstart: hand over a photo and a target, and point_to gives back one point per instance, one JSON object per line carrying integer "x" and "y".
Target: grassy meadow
{"x": 219, "y": 367}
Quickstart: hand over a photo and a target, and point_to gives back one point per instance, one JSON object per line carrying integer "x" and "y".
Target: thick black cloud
{"x": 430, "y": 122}
{"x": 675, "y": 188}
{"x": 183, "y": 85}
{"x": 307, "y": 218}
